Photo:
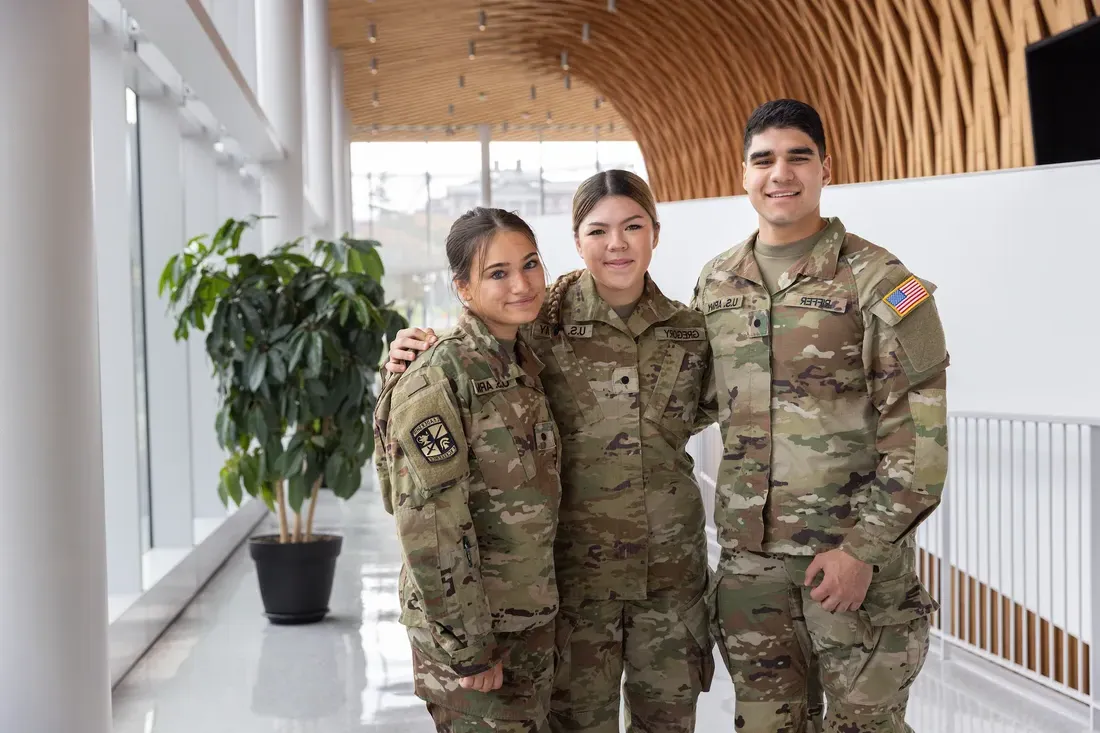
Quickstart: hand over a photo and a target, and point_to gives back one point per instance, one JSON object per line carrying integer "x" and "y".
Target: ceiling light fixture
{"x": 374, "y": 98}
{"x": 565, "y": 61}
{"x": 373, "y": 65}
{"x": 482, "y": 21}
{"x": 482, "y": 96}
{"x": 372, "y": 33}
{"x": 533, "y": 94}
{"x": 450, "y": 109}
{"x": 586, "y": 33}
{"x": 596, "y": 105}
{"x": 611, "y": 6}
{"x": 461, "y": 81}
{"x": 473, "y": 50}
{"x": 568, "y": 83}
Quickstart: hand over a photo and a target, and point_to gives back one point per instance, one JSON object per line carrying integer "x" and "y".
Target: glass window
{"x": 133, "y": 184}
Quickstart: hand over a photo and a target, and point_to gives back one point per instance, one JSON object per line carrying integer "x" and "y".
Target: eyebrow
{"x": 624, "y": 221}
{"x": 505, "y": 264}
{"x": 769, "y": 153}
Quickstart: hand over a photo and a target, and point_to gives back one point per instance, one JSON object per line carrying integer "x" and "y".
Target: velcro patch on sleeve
{"x": 431, "y": 435}
{"x": 907, "y": 296}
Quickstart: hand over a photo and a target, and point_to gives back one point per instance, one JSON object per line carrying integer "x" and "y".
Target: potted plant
{"x": 296, "y": 340}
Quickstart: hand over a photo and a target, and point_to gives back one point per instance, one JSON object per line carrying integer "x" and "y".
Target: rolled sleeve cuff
{"x": 478, "y": 657}
{"x": 865, "y": 546}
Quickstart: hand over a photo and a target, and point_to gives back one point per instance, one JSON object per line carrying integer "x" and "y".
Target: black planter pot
{"x": 295, "y": 579}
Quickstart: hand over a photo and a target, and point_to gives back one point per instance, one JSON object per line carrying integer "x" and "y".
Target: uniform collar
{"x": 585, "y": 304}
{"x": 500, "y": 361}
{"x": 820, "y": 263}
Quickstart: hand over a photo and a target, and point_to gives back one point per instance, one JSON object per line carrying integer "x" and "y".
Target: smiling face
{"x": 507, "y": 284}
{"x": 784, "y": 175}
{"x": 616, "y": 241}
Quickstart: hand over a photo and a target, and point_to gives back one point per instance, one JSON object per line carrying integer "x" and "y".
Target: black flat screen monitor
{"x": 1063, "y": 80}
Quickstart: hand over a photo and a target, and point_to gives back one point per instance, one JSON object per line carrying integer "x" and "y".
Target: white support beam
{"x": 185, "y": 34}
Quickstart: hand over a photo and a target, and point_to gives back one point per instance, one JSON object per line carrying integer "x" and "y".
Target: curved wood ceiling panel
{"x": 907, "y": 88}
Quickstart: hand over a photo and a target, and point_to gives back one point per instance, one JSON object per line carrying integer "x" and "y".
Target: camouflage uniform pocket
{"x": 894, "y": 625}
{"x": 697, "y": 618}
{"x": 563, "y": 632}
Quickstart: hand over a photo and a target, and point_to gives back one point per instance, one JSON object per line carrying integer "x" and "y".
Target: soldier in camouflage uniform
{"x": 829, "y": 374}
{"x": 625, "y": 369}
{"x": 468, "y": 459}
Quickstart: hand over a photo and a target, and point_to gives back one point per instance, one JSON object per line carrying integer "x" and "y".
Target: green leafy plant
{"x": 296, "y": 339}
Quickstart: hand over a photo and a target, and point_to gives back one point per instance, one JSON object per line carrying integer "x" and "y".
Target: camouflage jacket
{"x": 467, "y": 456}
{"x": 831, "y": 396}
{"x": 624, "y": 396}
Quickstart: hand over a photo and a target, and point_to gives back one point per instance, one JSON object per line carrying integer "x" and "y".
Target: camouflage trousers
{"x": 662, "y": 644}
{"x": 774, "y": 638}
{"x": 522, "y": 703}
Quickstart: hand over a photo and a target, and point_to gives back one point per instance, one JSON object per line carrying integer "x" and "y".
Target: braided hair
{"x": 552, "y": 306}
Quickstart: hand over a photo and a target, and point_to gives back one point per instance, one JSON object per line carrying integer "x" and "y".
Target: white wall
{"x": 999, "y": 246}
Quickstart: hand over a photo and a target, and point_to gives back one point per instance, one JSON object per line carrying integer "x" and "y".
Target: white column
{"x": 318, "y": 94}
{"x": 279, "y": 72}
{"x": 484, "y": 132}
{"x": 340, "y": 150}
{"x": 53, "y": 575}
{"x": 115, "y": 234}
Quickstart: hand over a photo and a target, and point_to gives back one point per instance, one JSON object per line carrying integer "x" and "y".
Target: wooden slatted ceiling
{"x": 907, "y": 88}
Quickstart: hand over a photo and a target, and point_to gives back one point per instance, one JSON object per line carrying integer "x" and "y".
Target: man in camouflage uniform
{"x": 468, "y": 462}
{"x": 631, "y": 547}
{"x": 829, "y": 374}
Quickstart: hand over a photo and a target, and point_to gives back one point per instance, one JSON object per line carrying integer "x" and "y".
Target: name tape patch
{"x": 485, "y": 386}
{"x": 721, "y": 304}
{"x": 907, "y": 296}
{"x": 434, "y": 439}
{"x": 543, "y": 330}
{"x": 577, "y": 330}
{"x": 666, "y": 333}
{"x": 834, "y": 305}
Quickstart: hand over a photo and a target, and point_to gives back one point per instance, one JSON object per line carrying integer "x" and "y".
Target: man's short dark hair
{"x": 786, "y": 113}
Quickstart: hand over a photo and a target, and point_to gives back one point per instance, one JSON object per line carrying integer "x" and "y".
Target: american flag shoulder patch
{"x": 907, "y": 296}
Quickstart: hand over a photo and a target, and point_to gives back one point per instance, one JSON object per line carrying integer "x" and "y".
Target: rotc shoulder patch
{"x": 434, "y": 439}
{"x": 907, "y": 296}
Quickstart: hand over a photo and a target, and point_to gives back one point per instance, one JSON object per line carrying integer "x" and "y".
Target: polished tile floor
{"x": 221, "y": 668}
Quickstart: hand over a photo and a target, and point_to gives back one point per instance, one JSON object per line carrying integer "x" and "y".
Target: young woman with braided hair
{"x": 625, "y": 372}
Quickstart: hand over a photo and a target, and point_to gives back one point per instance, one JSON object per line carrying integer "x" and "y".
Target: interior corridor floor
{"x": 222, "y": 668}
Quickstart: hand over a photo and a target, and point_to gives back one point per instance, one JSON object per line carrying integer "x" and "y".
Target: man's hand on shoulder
{"x": 845, "y": 581}
{"x": 406, "y": 346}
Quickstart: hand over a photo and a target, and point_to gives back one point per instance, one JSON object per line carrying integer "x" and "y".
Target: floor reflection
{"x": 223, "y": 668}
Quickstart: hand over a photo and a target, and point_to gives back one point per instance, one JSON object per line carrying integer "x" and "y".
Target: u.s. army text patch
{"x": 907, "y": 296}
{"x": 719, "y": 304}
{"x": 434, "y": 439}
